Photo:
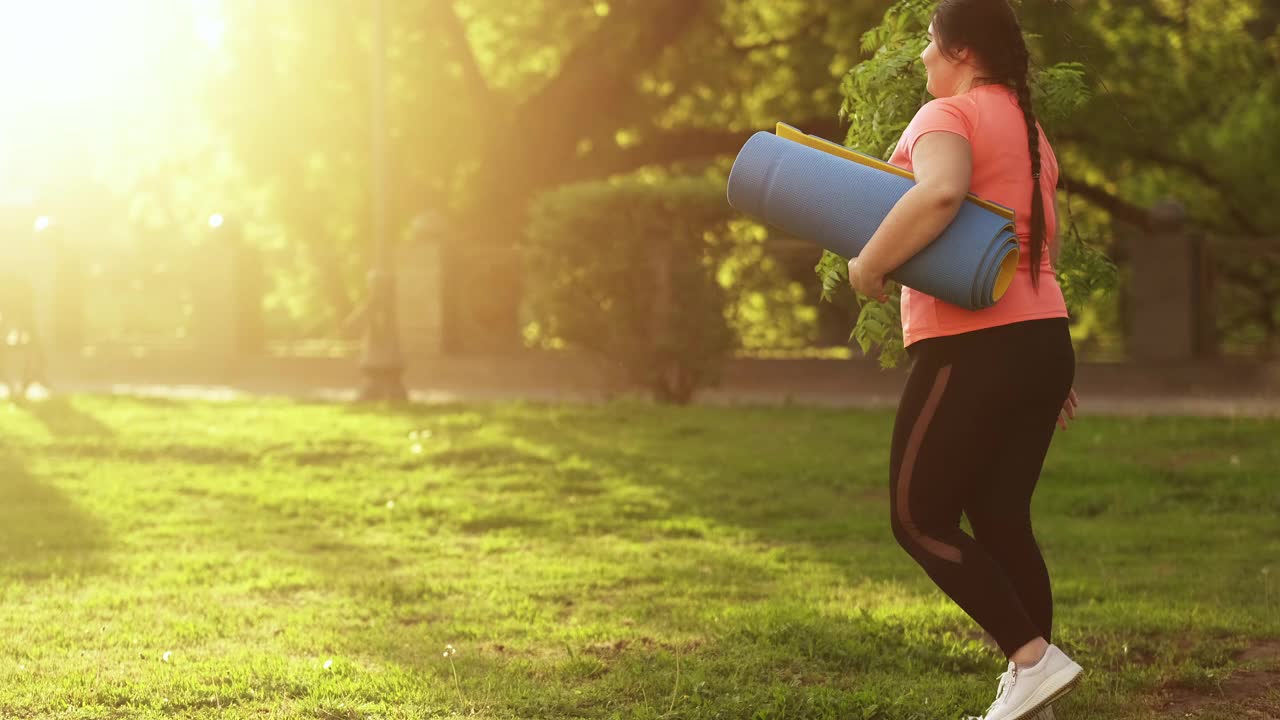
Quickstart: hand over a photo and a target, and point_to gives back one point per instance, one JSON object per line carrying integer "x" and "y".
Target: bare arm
{"x": 943, "y": 165}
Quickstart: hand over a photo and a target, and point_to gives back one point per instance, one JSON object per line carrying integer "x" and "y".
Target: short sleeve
{"x": 937, "y": 116}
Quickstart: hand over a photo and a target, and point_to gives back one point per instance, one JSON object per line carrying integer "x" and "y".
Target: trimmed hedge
{"x": 626, "y": 269}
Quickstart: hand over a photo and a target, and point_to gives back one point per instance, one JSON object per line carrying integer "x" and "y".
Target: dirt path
{"x": 1250, "y": 693}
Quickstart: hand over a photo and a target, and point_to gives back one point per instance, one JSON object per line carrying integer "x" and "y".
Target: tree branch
{"x": 664, "y": 147}
{"x": 1156, "y": 156}
{"x": 601, "y": 70}
{"x": 811, "y": 29}
{"x": 442, "y": 15}
{"x": 595, "y": 85}
{"x": 1119, "y": 208}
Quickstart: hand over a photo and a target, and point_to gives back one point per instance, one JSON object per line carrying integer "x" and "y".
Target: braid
{"x": 990, "y": 28}
{"x": 1037, "y": 199}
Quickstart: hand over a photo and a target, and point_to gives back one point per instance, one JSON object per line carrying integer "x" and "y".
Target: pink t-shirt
{"x": 988, "y": 116}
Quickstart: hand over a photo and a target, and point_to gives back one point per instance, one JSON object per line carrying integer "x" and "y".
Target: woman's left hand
{"x": 866, "y": 282}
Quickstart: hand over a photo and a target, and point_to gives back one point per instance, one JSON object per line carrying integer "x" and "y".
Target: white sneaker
{"x": 1025, "y": 693}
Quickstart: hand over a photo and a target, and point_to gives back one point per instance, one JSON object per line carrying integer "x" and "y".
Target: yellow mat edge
{"x": 1008, "y": 268}
{"x": 794, "y": 134}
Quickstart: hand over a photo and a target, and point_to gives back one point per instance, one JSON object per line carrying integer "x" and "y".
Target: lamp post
{"x": 381, "y": 364}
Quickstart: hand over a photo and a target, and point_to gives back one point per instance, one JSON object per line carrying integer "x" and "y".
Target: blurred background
{"x": 202, "y": 190}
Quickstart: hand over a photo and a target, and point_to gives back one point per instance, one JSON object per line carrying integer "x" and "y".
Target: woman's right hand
{"x": 1068, "y": 409}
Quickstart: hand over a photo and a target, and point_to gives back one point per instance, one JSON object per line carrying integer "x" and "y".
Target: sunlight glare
{"x": 87, "y": 77}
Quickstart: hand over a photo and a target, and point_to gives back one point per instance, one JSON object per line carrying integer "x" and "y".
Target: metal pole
{"x": 381, "y": 364}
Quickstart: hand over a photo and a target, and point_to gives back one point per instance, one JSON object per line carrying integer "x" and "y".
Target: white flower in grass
{"x": 416, "y": 449}
{"x": 450, "y": 650}
{"x": 391, "y": 504}
{"x": 328, "y": 664}
{"x": 167, "y": 654}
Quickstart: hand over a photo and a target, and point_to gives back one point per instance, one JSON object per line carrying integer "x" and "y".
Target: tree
{"x": 496, "y": 101}
{"x": 1143, "y": 100}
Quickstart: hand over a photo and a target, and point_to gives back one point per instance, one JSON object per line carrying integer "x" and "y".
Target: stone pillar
{"x": 28, "y": 272}
{"x": 483, "y": 291}
{"x": 213, "y": 328}
{"x": 1205, "y": 301}
{"x": 419, "y": 290}
{"x": 42, "y": 273}
{"x": 1164, "y": 289}
{"x": 249, "y": 287}
{"x": 228, "y": 283}
{"x": 68, "y": 297}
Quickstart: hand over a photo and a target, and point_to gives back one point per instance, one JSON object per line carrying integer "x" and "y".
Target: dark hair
{"x": 990, "y": 30}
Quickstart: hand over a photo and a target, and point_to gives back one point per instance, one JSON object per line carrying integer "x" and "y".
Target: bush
{"x": 626, "y": 269}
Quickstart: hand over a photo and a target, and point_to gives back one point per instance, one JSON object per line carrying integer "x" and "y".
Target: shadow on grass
{"x": 748, "y": 476}
{"x": 537, "y": 672}
{"x": 63, "y": 419}
{"x": 415, "y": 410}
{"x": 156, "y": 402}
{"x": 161, "y": 452}
{"x": 530, "y": 442}
{"x": 42, "y": 533}
{"x": 643, "y": 474}
{"x": 739, "y": 471}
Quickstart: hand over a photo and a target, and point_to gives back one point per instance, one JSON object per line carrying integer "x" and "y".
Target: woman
{"x": 977, "y": 415}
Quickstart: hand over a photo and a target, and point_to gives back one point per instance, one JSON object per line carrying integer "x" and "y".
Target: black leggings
{"x": 973, "y": 427}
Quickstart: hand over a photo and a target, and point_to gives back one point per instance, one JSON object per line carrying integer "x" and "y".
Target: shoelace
{"x": 1006, "y": 683}
{"x": 1046, "y": 713}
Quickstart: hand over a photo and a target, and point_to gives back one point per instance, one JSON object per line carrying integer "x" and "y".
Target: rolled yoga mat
{"x": 825, "y": 193}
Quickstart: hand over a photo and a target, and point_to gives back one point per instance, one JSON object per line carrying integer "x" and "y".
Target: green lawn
{"x": 270, "y": 559}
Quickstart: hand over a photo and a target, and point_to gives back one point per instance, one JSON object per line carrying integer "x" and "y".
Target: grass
{"x": 270, "y": 559}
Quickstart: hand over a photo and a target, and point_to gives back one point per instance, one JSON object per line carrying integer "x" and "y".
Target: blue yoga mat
{"x": 834, "y": 198}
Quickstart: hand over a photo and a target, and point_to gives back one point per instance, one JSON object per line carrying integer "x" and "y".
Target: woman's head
{"x": 974, "y": 42}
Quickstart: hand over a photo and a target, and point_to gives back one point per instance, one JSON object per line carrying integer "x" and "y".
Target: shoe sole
{"x": 1054, "y": 696}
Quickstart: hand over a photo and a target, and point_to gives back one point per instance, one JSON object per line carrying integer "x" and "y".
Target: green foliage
{"x": 876, "y": 325}
{"x": 1144, "y": 100}
{"x": 1083, "y": 270}
{"x": 1187, "y": 99}
{"x": 627, "y": 270}
{"x": 1058, "y": 92}
{"x": 769, "y": 308}
{"x": 881, "y": 95}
